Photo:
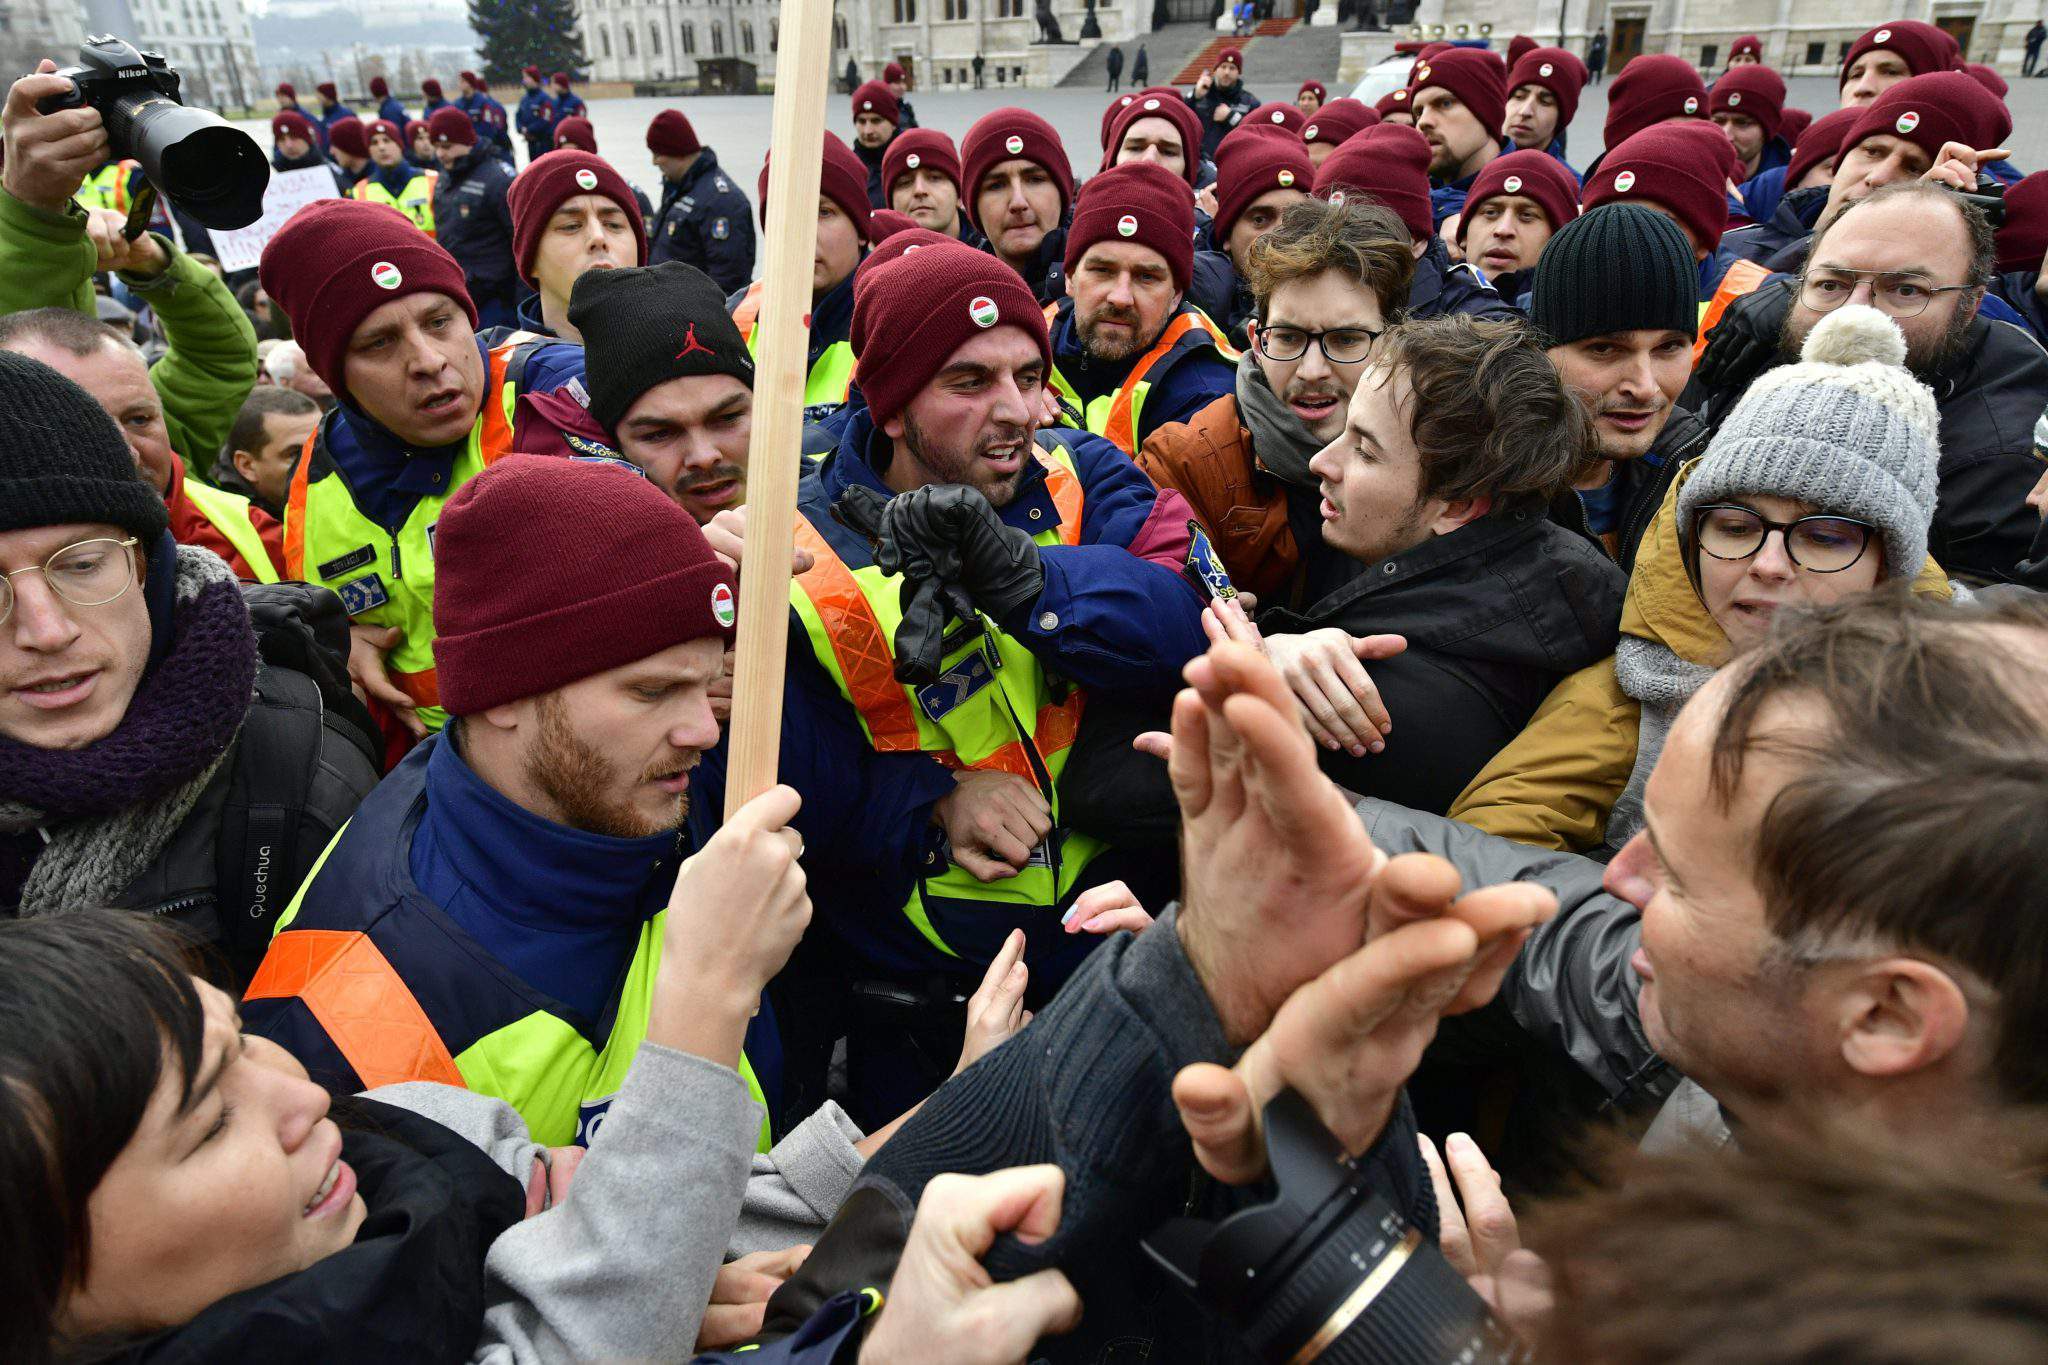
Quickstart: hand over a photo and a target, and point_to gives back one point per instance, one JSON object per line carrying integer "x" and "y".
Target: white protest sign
{"x": 289, "y": 191}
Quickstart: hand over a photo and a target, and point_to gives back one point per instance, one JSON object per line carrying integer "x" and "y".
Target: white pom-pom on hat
{"x": 1852, "y": 335}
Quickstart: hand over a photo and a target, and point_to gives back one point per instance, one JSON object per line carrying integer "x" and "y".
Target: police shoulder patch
{"x": 955, "y": 686}
{"x": 720, "y": 229}
{"x": 1205, "y": 568}
{"x": 359, "y": 595}
{"x": 724, "y": 185}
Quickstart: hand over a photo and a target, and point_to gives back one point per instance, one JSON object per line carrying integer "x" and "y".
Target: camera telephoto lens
{"x": 1328, "y": 1270}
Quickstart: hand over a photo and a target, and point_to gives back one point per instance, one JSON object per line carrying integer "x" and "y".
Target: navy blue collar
{"x": 531, "y": 871}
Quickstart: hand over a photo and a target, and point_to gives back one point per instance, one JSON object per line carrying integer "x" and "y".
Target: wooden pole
{"x": 781, "y": 367}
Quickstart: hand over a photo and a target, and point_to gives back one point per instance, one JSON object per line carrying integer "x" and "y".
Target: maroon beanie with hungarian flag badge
{"x": 336, "y": 261}
{"x": 911, "y": 313}
{"x": 503, "y": 632}
{"x": 1140, "y": 202}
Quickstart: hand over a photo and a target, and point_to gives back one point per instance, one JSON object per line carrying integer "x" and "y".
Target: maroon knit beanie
{"x": 670, "y": 134}
{"x": 1532, "y": 174}
{"x": 336, "y": 261}
{"x": 1394, "y": 102}
{"x": 1252, "y": 163}
{"x": 1428, "y": 50}
{"x": 1005, "y": 135}
{"x": 1921, "y": 46}
{"x": 531, "y": 73}
{"x": 893, "y": 72}
{"x": 1276, "y": 114}
{"x": 348, "y": 135}
{"x": 1748, "y": 45}
{"x": 285, "y": 90}
{"x": 1822, "y": 141}
{"x": 874, "y": 98}
{"x": 380, "y": 88}
{"x": 1756, "y": 91}
{"x": 920, "y": 149}
{"x": 894, "y": 246}
{"x": 1174, "y": 110}
{"x": 910, "y": 314}
{"x": 1141, "y": 202}
{"x": 452, "y": 126}
{"x": 328, "y": 92}
{"x": 1987, "y": 78}
{"x": 2023, "y": 240}
{"x": 575, "y": 131}
{"x": 561, "y": 80}
{"x": 413, "y": 128}
{"x": 1520, "y": 46}
{"x": 1475, "y": 76}
{"x": 1111, "y": 110}
{"x": 549, "y": 180}
{"x": 1556, "y": 70}
{"x": 503, "y": 632}
{"x": 882, "y": 225}
{"x": 1321, "y": 92}
{"x": 842, "y": 179}
{"x": 290, "y": 122}
{"x": 469, "y": 78}
{"x": 431, "y": 88}
{"x": 1390, "y": 164}
{"x": 1945, "y": 106}
{"x": 1650, "y": 90}
{"x": 1680, "y": 167}
{"x": 1792, "y": 123}
{"x": 1235, "y": 56}
{"x": 387, "y": 128}
{"x": 1339, "y": 120}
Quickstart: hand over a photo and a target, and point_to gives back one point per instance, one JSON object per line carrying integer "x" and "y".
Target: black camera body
{"x": 215, "y": 172}
{"x": 1327, "y": 1269}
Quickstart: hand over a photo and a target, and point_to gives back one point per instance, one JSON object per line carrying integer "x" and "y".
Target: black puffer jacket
{"x": 1989, "y": 397}
{"x": 1495, "y": 614}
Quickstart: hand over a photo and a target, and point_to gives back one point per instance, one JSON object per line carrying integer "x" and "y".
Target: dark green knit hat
{"x": 63, "y": 460}
{"x": 1616, "y": 268}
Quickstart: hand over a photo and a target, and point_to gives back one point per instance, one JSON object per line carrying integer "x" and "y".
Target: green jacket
{"x": 46, "y": 260}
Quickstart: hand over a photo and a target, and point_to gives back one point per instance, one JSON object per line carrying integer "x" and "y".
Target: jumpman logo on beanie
{"x": 691, "y": 345}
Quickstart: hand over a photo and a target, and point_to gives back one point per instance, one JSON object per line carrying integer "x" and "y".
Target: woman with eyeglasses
{"x": 150, "y": 758}
{"x": 1820, "y": 484}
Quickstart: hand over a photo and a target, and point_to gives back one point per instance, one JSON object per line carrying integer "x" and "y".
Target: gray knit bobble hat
{"x": 1846, "y": 430}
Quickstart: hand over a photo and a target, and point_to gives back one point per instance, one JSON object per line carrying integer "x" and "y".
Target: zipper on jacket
{"x": 397, "y": 563}
{"x": 182, "y": 904}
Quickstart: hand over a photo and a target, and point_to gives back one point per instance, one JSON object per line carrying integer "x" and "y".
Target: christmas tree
{"x": 514, "y": 34}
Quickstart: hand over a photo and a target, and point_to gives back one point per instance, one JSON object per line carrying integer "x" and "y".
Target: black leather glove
{"x": 954, "y": 555}
{"x": 1745, "y": 341}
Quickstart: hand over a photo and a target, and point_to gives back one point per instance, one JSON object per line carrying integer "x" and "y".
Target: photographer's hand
{"x": 145, "y": 256}
{"x": 1478, "y": 1235}
{"x": 1349, "y": 1040}
{"x": 49, "y": 155}
{"x": 1958, "y": 164}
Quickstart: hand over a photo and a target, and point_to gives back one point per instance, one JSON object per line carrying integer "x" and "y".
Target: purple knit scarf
{"x": 183, "y": 715}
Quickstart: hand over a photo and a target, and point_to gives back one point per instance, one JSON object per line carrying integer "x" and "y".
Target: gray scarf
{"x": 1279, "y": 440}
{"x": 1663, "y": 683}
{"x": 91, "y": 860}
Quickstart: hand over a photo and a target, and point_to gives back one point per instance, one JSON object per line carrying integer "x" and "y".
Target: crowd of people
{"x": 1305, "y": 608}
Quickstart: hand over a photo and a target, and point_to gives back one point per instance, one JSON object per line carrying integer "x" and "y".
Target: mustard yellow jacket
{"x": 1555, "y": 783}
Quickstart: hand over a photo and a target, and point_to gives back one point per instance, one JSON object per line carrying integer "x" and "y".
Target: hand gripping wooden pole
{"x": 781, "y": 368}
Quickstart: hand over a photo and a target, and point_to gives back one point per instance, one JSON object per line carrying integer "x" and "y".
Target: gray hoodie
{"x": 623, "y": 1266}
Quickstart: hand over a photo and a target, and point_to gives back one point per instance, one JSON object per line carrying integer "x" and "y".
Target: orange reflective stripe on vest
{"x": 865, "y": 655}
{"x": 749, "y": 312}
{"x": 295, "y": 513}
{"x": 1053, "y": 731}
{"x": 1742, "y": 278}
{"x": 358, "y": 998}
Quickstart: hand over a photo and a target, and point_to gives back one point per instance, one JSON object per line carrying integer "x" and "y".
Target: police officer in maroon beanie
{"x": 921, "y": 176}
{"x": 423, "y": 405}
{"x": 348, "y": 143}
{"x": 704, "y": 218}
{"x": 1018, "y": 186}
{"x": 1543, "y": 98}
{"x": 1130, "y": 354}
{"x": 571, "y": 212}
{"x": 472, "y": 215}
{"x": 932, "y": 821}
{"x": 875, "y": 112}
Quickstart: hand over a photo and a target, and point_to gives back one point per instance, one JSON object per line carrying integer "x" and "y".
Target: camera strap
{"x": 139, "y": 212}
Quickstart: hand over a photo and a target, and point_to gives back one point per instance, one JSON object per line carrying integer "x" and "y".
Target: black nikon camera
{"x": 215, "y": 172}
{"x": 1328, "y": 1270}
